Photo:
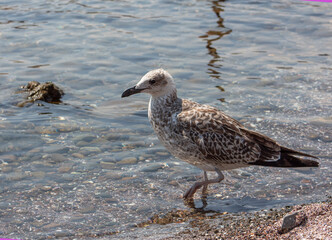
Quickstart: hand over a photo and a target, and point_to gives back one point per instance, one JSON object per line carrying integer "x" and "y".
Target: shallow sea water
{"x": 91, "y": 167}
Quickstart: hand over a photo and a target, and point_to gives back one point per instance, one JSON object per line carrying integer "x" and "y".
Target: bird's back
{"x": 206, "y": 137}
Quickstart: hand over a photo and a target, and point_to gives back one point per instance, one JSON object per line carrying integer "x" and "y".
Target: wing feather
{"x": 219, "y": 137}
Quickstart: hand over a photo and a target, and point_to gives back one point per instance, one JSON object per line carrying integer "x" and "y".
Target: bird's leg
{"x": 206, "y": 185}
{"x": 197, "y": 185}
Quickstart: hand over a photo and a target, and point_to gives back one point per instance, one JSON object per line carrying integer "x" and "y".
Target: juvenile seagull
{"x": 205, "y": 136}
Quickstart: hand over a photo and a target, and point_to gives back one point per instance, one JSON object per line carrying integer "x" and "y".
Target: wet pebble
{"x": 65, "y": 168}
{"x": 45, "y": 130}
{"x": 8, "y": 158}
{"x": 162, "y": 153}
{"x": 127, "y": 161}
{"x": 82, "y": 144}
{"x": 89, "y": 150}
{"x": 16, "y": 176}
{"x": 324, "y": 122}
{"x": 52, "y": 225}
{"x": 38, "y": 223}
{"x": 78, "y": 155}
{"x": 66, "y": 177}
{"x": 55, "y": 148}
{"x": 62, "y": 233}
{"x": 153, "y": 167}
{"x": 84, "y": 137}
{"x": 66, "y": 127}
{"x": 88, "y": 209}
{"x": 38, "y": 174}
{"x": 327, "y": 138}
{"x": 77, "y": 218}
{"x": 112, "y": 175}
{"x": 173, "y": 183}
{"x": 128, "y": 178}
{"x": 107, "y": 165}
{"x": 54, "y": 158}
{"x": 6, "y": 169}
{"x": 313, "y": 136}
{"x": 115, "y": 137}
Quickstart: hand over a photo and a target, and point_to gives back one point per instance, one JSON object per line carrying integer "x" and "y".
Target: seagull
{"x": 205, "y": 136}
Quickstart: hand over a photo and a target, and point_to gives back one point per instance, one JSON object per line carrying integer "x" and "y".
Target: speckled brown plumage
{"x": 205, "y": 136}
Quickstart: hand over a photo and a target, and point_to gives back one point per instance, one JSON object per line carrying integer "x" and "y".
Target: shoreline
{"x": 311, "y": 221}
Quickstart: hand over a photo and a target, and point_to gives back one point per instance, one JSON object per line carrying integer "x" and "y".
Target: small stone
{"x": 127, "y": 161}
{"x": 54, "y": 158}
{"x": 38, "y": 174}
{"x": 82, "y": 144}
{"x": 6, "y": 169}
{"x": 78, "y": 155}
{"x": 327, "y": 138}
{"x": 90, "y": 150}
{"x": 113, "y": 175}
{"x": 61, "y": 233}
{"x": 8, "y": 158}
{"x": 84, "y": 137}
{"x": 65, "y": 168}
{"x": 152, "y": 167}
{"x": 55, "y": 148}
{"x": 16, "y": 176}
{"x": 289, "y": 222}
{"x": 128, "y": 178}
{"x": 321, "y": 121}
{"x": 89, "y": 209}
{"x": 162, "y": 153}
{"x": 52, "y": 225}
{"x": 313, "y": 136}
{"x": 107, "y": 165}
{"x": 173, "y": 183}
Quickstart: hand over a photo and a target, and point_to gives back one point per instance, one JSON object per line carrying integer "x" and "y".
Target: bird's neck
{"x": 165, "y": 100}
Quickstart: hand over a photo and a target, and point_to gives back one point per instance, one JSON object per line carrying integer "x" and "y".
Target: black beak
{"x": 130, "y": 91}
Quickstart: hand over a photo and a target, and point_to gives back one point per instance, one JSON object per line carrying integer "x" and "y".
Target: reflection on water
{"x": 92, "y": 166}
{"x": 214, "y": 35}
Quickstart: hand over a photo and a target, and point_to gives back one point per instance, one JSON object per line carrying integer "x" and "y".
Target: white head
{"x": 157, "y": 82}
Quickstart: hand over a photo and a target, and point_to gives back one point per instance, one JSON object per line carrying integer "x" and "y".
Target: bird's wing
{"x": 221, "y": 138}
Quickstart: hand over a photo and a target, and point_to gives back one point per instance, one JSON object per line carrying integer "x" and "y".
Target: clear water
{"x": 92, "y": 165}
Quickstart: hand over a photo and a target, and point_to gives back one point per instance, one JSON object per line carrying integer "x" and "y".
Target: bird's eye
{"x": 152, "y": 81}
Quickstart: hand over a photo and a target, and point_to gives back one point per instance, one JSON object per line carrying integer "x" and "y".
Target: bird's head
{"x": 157, "y": 82}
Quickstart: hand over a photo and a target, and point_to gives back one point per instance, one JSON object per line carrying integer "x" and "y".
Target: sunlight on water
{"x": 92, "y": 166}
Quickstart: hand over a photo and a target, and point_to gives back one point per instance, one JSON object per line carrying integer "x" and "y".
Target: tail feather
{"x": 293, "y": 152}
{"x": 288, "y": 160}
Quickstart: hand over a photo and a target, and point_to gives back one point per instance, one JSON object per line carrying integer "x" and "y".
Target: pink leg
{"x": 197, "y": 185}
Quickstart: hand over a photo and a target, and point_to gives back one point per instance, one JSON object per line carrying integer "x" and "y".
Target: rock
{"x": 47, "y": 92}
